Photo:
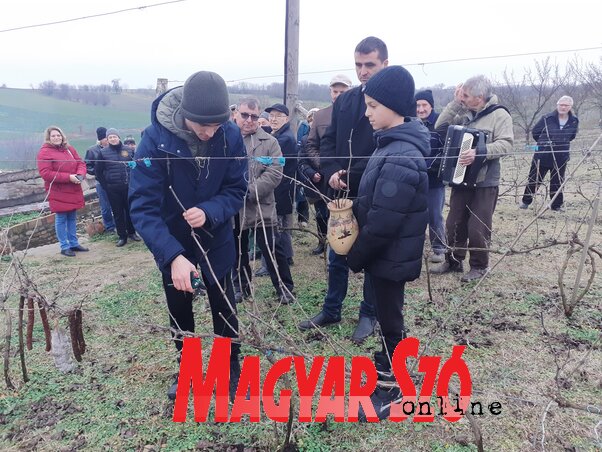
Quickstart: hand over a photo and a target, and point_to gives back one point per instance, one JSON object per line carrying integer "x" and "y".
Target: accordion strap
{"x": 486, "y": 111}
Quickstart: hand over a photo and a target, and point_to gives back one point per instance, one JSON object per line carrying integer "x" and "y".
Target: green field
{"x": 24, "y": 114}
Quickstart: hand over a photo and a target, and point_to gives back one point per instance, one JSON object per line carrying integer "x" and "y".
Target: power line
{"x": 511, "y": 55}
{"x": 91, "y": 16}
{"x": 425, "y": 63}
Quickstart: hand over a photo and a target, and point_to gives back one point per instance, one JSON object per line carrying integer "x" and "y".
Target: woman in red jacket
{"x": 62, "y": 170}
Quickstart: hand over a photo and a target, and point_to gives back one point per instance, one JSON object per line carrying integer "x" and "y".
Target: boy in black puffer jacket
{"x": 391, "y": 210}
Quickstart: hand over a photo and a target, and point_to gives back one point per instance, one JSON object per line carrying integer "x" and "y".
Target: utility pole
{"x": 161, "y": 86}
{"x": 291, "y": 60}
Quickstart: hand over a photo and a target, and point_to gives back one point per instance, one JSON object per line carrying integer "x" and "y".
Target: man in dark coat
{"x": 92, "y": 156}
{"x": 309, "y": 158}
{"x": 425, "y": 110}
{"x": 285, "y": 192}
{"x": 350, "y": 132}
{"x": 553, "y": 134}
{"x": 193, "y": 149}
{"x": 113, "y": 174}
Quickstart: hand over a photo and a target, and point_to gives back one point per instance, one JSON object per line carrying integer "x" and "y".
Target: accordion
{"x": 458, "y": 140}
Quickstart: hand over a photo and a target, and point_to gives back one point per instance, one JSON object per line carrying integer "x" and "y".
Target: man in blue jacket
{"x": 344, "y": 152}
{"x": 193, "y": 149}
{"x": 425, "y": 110}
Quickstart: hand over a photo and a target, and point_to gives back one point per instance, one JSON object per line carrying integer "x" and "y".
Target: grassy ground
{"x": 115, "y": 400}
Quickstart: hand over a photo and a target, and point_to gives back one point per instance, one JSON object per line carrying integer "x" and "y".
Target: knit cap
{"x": 112, "y": 131}
{"x": 393, "y": 87}
{"x": 427, "y": 95}
{"x": 205, "y": 98}
{"x": 101, "y": 133}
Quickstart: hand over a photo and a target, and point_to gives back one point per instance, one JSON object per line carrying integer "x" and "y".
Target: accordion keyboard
{"x": 460, "y": 170}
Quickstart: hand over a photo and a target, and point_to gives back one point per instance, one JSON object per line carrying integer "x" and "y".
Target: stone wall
{"x": 26, "y": 187}
{"x": 40, "y": 231}
{"x": 21, "y": 187}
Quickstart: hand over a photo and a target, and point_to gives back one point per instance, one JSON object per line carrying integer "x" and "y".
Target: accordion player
{"x": 458, "y": 140}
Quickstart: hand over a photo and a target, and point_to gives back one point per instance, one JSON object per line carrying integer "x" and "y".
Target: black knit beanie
{"x": 101, "y": 133}
{"x": 427, "y": 95}
{"x": 205, "y": 98}
{"x": 393, "y": 87}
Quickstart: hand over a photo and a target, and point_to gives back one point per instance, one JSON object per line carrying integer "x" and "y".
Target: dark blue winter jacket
{"x": 285, "y": 191}
{"x": 391, "y": 207}
{"x": 433, "y": 164}
{"x": 111, "y": 168}
{"x": 553, "y": 143}
{"x": 217, "y": 186}
{"x": 349, "y": 133}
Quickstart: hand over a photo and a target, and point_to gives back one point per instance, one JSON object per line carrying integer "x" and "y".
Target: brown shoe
{"x": 447, "y": 267}
{"x": 474, "y": 273}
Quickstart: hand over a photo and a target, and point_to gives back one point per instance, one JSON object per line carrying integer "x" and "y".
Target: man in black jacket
{"x": 309, "y": 158}
{"x": 285, "y": 192}
{"x": 344, "y": 153}
{"x": 92, "y": 156}
{"x": 553, "y": 133}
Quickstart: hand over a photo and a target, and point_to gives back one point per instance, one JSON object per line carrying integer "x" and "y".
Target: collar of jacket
{"x": 282, "y": 129}
{"x": 260, "y": 134}
{"x": 254, "y": 140}
{"x": 554, "y": 114}
{"x": 431, "y": 119}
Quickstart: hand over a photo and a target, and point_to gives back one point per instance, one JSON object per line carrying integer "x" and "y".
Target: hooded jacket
{"x": 216, "y": 186}
{"x": 55, "y": 165}
{"x": 553, "y": 143}
{"x": 391, "y": 207}
{"x": 497, "y": 125}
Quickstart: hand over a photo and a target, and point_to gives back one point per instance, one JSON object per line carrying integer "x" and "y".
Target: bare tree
{"x": 527, "y": 97}
{"x": 574, "y": 86}
{"x": 591, "y": 77}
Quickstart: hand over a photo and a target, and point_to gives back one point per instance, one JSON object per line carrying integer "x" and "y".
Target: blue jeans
{"x": 436, "y": 201}
{"x": 338, "y": 281}
{"x": 105, "y": 208}
{"x": 65, "y": 227}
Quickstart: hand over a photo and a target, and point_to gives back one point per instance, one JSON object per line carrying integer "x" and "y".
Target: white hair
{"x": 565, "y": 99}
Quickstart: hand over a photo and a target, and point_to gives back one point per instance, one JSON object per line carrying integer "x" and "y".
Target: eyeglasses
{"x": 564, "y": 105}
{"x": 246, "y": 116}
{"x": 273, "y": 116}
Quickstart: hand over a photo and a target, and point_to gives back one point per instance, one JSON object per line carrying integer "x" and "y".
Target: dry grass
{"x": 115, "y": 400}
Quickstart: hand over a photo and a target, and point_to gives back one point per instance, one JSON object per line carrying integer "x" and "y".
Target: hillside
{"x": 25, "y": 114}
{"x": 26, "y": 111}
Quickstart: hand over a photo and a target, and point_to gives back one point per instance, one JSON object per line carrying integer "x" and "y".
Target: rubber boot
{"x": 382, "y": 397}
{"x": 234, "y": 376}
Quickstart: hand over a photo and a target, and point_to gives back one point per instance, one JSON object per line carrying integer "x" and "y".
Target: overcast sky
{"x": 245, "y": 39}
